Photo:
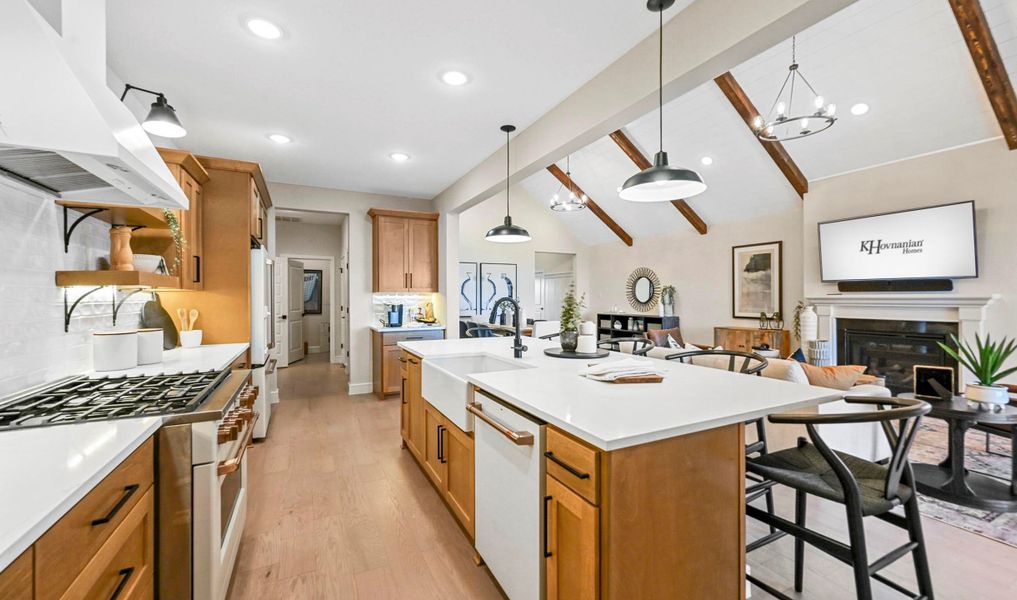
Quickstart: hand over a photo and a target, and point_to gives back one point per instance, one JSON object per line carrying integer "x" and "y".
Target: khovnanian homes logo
{"x": 879, "y": 246}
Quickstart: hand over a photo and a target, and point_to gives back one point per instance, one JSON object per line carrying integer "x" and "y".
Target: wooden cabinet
{"x": 404, "y": 251}
{"x": 743, "y": 339}
{"x": 386, "y": 354}
{"x": 404, "y": 397}
{"x": 192, "y": 177}
{"x": 415, "y": 412}
{"x": 571, "y": 552}
{"x": 434, "y": 442}
{"x": 678, "y": 500}
{"x": 259, "y": 214}
{"x": 16, "y": 579}
{"x": 105, "y": 543}
{"x": 457, "y": 449}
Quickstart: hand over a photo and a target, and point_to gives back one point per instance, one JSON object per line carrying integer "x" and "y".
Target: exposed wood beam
{"x": 741, "y": 103}
{"x": 641, "y": 162}
{"x": 989, "y": 64}
{"x": 593, "y": 206}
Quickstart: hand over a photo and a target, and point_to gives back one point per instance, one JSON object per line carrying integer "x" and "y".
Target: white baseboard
{"x": 361, "y": 388}
{"x": 313, "y": 349}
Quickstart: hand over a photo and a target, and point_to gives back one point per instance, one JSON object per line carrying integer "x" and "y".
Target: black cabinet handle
{"x": 441, "y": 442}
{"x": 575, "y": 472}
{"x": 197, "y": 269}
{"x": 261, "y": 224}
{"x": 547, "y": 500}
{"x": 413, "y": 337}
{"x": 402, "y": 391}
{"x": 128, "y": 492}
{"x": 125, "y": 576}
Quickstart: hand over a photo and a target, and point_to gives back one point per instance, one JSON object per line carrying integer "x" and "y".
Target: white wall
{"x": 355, "y": 205}
{"x": 33, "y": 346}
{"x": 700, "y": 267}
{"x": 545, "y": 227}
{"x": 984, "y": 172}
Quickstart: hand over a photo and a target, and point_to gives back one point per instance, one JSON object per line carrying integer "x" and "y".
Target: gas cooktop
{"x": 81, "y": 399}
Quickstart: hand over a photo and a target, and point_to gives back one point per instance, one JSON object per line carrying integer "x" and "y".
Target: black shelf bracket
{"x": 119, "y": 303}
{"x": 68, "y": 230}
{"x": 69, "y": 310}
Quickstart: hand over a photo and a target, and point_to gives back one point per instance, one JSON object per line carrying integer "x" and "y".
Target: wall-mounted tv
{"x": 936, "y": 242}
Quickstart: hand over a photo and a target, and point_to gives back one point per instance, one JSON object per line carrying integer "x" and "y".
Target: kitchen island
{"x": 574, "y": 488}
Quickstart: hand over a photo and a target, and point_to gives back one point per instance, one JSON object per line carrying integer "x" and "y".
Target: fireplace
{"x": 891, "y": 348}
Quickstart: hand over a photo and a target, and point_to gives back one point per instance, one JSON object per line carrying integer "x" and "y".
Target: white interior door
{"x": 294, "y": 310}
{"x": 342, "y": 296}
{"x": 282, "y": 344}
{"x": 554, "y": 289}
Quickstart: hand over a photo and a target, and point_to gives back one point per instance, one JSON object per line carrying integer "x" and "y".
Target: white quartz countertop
{"x": 45, "y": 471}
{"x": 381, "y": 328}
{"x": 213, "y": 357}
{"x": 612, "y": 416}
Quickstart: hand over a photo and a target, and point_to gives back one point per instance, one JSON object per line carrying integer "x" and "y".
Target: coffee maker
{"x": 393, "y": 315}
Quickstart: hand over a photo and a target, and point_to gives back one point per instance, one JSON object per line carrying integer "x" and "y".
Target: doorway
{"x": 554, "y": 274}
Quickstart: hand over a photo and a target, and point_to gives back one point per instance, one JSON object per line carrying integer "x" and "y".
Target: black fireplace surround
{"x": 891, "y": 349}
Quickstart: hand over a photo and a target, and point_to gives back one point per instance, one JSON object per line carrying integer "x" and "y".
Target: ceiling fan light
{"x": 162, "y": 120}
{"x": 662, "y": 183}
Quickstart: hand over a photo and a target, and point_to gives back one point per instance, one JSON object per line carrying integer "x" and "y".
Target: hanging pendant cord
{"x": 508, "y": 213}
{"x": 660, "y": 79}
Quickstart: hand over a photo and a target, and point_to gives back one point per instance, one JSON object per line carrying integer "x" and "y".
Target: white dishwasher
{"x": 509, "y": 465}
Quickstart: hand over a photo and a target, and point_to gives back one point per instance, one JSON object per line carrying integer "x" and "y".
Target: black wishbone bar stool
{"x": 865, "y": 488}
{"x": 640, "y": 345}
{"x": 550, "y": 336}
{"x": 748, "y": 363}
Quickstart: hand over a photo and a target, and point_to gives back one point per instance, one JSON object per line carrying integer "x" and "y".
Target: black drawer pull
{"x": 547, "y": 499}
{"x": 567, "y": 466}
{"x": 128, "y": 492}
{"x": 413, "y": 337}
{"x": 197, "y": 269}
{"x": 125, "y": 576}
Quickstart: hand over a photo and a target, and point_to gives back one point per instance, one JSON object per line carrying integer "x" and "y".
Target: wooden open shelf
{"x": 116, "y": 278}
{"x": 133, "y": 216}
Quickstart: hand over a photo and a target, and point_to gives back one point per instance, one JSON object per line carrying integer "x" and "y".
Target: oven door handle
{"x": 519, "y": 438}
{"x": 232, "y": 464}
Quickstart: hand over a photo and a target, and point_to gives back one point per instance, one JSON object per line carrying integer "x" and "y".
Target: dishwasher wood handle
{"x": 519, "y": 438}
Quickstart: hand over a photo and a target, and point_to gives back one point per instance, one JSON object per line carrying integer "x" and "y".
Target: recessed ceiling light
{"x": 279, "y": 138}
{"x": 455, "y": 78}
{"x": 399, "y": 156}
{"x": 859, "y": 109}
{"x": 706, "y": 160}
{"x": 264, "y": 29}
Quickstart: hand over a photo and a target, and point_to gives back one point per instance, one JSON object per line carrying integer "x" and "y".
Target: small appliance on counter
{"x": 393, "y": 315}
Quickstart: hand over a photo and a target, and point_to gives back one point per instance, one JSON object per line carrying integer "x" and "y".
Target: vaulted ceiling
{"x": 353, "y": 81}
{"x": 906, "y": 59}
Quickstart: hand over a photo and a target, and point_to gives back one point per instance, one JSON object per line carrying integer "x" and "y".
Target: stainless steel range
{"x": 80, "y": 399}
{"x": 201, "y": 468}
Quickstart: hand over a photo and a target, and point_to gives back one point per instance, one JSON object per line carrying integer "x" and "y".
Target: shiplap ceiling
{"x": 905, "y": 58}
{"x": 352, "y": 81}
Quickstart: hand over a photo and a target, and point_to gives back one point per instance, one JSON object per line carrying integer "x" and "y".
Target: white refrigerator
{"x": 263, "y": 365}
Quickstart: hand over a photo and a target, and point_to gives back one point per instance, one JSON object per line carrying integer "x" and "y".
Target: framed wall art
{"x": 757, "y": 280}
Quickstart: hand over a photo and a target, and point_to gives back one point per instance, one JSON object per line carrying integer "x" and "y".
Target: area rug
{"x": 930, "y": 447}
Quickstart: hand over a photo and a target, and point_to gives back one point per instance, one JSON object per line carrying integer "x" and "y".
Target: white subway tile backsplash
{"x": 33, "y": 346}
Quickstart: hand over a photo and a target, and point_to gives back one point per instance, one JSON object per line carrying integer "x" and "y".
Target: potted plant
{"x": 985, "y": 361}
{"x": 178, "y": 240}
{"x": 571, "y": 309}
{"x": 667, "y": 295}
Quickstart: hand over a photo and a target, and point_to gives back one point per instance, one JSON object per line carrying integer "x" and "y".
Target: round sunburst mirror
{"x": 642, "y": 289}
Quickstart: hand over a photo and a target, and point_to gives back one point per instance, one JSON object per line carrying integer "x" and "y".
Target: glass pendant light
{"x": 507, "y": 233}
{"x": 661, "y": 182}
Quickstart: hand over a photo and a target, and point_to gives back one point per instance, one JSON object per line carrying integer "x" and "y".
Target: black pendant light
{"x": 661, "y": 182}
{"x": 507, "y": 233}
{"x": 162, "y": 118}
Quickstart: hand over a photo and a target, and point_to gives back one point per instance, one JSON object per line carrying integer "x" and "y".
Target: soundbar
{"x": 897, "y": 285}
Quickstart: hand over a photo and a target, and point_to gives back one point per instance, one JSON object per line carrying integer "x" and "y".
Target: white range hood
{"x": 61, "y": 129}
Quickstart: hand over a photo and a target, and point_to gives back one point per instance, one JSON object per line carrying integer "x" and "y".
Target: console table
{"x": 743, "y": 339}
{"x": 631, "y": 324}
{"x": 949, "y": 480}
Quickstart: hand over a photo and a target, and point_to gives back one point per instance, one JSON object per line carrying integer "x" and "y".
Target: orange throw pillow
{"x": 841, "y": 377}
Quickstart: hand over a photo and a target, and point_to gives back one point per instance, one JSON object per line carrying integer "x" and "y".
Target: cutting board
{"x": 639, "y": 379}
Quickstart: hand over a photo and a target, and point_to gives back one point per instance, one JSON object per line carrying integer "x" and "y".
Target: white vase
{"x": 989, "y": 394}
{"x": 809, "y": 321}
{"x": 190, "y": 339}
{"x": 668, "y": 310}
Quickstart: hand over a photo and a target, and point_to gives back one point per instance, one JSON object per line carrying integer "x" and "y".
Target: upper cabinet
{"x": 405, "y": 249}
{"x": 191, "y": 176}
{"x": 259, "y": 214}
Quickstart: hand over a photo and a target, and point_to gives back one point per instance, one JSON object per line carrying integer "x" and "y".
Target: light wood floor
{"x": 339, "y": 511}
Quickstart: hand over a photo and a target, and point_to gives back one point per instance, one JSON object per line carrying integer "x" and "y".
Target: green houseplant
{"x": 667, "y": 296}
{"x": 571, "y": 315}
{"x": 985, "y": 360}
{"x": 179, "y": 242}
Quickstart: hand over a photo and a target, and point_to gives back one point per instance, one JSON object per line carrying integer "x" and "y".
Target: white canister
{"x": 114, "y": 350}
{"x": 587, "y": 344}
{"x": 149, "y": 346}
{"x": 587, "y": 328}
{"x": 190, "y": 339}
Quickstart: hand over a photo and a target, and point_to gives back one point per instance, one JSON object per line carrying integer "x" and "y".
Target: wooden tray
{"x": 559, "y": 353}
